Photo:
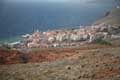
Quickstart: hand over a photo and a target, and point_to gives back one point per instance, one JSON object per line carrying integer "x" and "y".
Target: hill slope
{"x": 91, "y": 64}
{"x": 112, "y": 17}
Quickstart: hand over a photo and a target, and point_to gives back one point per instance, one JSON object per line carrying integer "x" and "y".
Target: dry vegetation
{"x": 112, "y": 18}
{"x": 89, "y": 62}
{"x": 41, "y": 55}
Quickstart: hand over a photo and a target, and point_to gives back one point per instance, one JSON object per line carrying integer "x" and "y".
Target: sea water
{"x": 18, "y": 18}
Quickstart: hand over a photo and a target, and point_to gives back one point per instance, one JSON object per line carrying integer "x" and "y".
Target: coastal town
{"x": 90, "y": 52}
{"x": 64, "y": 37}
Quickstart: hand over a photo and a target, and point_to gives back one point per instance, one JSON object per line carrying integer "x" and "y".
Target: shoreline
{"x": 17, "y": 38}
{"x": 99, "y": 21}
{"x": 11, "y": 39}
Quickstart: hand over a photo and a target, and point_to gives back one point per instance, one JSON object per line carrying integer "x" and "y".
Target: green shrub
{"x": 103, "y": 42}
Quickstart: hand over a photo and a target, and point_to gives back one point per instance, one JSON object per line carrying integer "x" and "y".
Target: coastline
{"x": 11, "y": 39}
{"x": 111, "y": 17}
{"x": 69, "y": 18}
{"x": 89, "y": 61}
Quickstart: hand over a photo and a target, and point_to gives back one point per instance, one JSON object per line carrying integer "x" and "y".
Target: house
{"x": 17, "y": 44}
{"x": 32, "y": 45}
{"x": 51, "y": 39}
{"x": 115, "y": 36}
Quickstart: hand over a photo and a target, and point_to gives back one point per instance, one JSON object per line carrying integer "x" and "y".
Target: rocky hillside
{"x": 15, "y": 57}
{"x": 112, "y": 17}
{"x": 8, "y": 56}
{"x": 84, "y": 64}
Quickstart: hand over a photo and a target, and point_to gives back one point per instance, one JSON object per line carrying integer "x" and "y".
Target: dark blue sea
{"x": 18, "y": 18}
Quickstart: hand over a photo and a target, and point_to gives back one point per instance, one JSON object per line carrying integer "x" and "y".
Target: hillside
{"x": 84, "y": 64}
{"x": 112, "y": 17}
{"x": 8, "y": 56}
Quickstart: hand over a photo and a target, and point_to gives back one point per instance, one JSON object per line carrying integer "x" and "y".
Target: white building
{"x": 51, "y": 39}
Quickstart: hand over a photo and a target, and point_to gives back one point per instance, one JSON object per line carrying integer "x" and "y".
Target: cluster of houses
{"x": 63, "y": 38}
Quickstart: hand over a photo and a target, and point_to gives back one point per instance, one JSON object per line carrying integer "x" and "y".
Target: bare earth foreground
{"x": 86, "y": 64}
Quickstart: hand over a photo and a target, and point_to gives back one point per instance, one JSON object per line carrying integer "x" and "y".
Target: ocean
{"x": 18, "y": 18}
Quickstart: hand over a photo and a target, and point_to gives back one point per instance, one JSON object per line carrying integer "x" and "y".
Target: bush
{"x": 24, "y": 59}
{"x": 2, "y": 60}
{"x": 103, "y": 42}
